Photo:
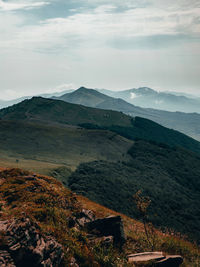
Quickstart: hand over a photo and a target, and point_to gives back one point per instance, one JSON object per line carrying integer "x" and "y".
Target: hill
{"x": 51, "y": 111}
{"x": 61, "y": 114}
{"x": 187, "y": 123}
{"x": 67, "y": 146}
{"x": 148, "y": 98}
{"x": 37, "y": 207}
{"x": 84, "y": 96}
{"x": 170, "y": 177}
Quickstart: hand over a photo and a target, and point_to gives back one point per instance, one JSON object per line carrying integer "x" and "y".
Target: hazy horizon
{"x": 54, "y": 45}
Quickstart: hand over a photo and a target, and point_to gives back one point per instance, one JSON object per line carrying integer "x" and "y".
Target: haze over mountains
{"x": 149, "y": 98}
{"x": 188, "y": 123}
{"x": 7, "y": 103}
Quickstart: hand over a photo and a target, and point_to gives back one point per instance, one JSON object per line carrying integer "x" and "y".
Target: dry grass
{"x": 49, "y": 204}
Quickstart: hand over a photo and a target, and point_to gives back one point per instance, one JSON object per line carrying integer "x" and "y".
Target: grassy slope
{"x": 170, "y": 177}
{"x": 188, "y": 123}
{"x": 57, "y": 113}
{"x": 50, "y": 205}
{"x": 60, "y": 145}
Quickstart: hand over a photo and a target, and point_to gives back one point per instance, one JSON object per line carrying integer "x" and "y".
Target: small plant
{"x": 142, "y": 204}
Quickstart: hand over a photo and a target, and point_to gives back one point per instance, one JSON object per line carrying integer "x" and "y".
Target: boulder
{"x": 23, "y": 245}
{"x": 109, "y": 226}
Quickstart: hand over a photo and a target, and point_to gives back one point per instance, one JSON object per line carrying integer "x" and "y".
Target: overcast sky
{"x": 53, "y": 45}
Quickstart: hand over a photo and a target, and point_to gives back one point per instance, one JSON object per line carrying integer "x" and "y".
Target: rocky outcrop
{"x": 109, "y": 226}
{"x": 106, "y": 231}
{"x": 23, "y": 245}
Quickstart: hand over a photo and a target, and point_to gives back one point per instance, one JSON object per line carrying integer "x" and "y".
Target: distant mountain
{"x": 60, "y": 113}
{"x": 193, "y": 96}
{"x": 188, "y": 123}
{"x": 84, "y": 96}
{"x": 7, "y": 103}
{"x": 148, "y": 98}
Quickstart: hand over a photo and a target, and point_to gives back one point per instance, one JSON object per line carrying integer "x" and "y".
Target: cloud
{"x": 133, "y": 95}
{"x": 120, "y": 43}
{"x": 61, "y": 88}
{"x": 11, "y": 6}
{"x": 102, "y": 26}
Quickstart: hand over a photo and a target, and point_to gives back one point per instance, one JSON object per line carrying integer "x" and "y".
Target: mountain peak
{"x": 82, "y": 88}
{"x": 146, "y": 90}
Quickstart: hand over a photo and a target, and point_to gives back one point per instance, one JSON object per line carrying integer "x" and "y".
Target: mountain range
{"x": 110, "y": 156}
{"x": 62, "y": 114}
{"x": 148, "y": 98}
{"x": 188, "y": 123}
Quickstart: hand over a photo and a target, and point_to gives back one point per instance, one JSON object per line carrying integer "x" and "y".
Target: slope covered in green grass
{"x": 61, "y": 114}
{"x": 170, "y": 177}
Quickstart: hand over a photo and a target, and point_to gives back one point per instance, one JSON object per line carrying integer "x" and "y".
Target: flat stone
{"x": 145, "y": 256}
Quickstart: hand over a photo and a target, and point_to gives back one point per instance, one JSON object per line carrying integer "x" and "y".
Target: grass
{"x": 50, "y": 205}
{"x": 60, "y": 145}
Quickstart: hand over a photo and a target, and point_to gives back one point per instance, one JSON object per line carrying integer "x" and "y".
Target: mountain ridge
{"x": 148, "y": 98}
{"x": 188, "y": 123}
{"x": 52, "y": 111}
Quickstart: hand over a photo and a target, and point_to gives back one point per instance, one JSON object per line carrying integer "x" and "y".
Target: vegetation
{"x": 187, "y": 123}
{"x": 50, "y": 205}
{"x": 169, "y": 176}
{"x": 59, "y": 114}
{"x": 142, "y": 204}
{"x": 60, "y": 145}
{"x": 145, "y": 129}
{"x": 56, "y": 111}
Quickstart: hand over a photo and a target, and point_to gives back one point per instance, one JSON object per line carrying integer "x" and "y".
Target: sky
{"x": 54, "y": 45}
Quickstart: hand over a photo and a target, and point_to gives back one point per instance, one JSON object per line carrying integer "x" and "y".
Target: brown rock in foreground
{"x": 109, "y": 226}
{"x": 23, "y": 245}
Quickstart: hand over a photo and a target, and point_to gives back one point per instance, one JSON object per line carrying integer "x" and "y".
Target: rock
{"x": 170, "y": 261}
{"x": 104, "y": 241}
{"x": 73, "y": 263}
{"x": 25, "y": 246}
{"x": 109, "y": 226}
{"x": 5, "y": 259}
{"x": 145, "y": 256}
{"x": 83, "y": 217}
{"x": 159, "y": 260}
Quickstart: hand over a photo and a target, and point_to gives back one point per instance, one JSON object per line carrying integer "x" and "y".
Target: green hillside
{"x": 170, "y": 177}
{"x": 56, "y": 111}
{"x": 62, "y": 145}
{"x": 187, "y": 123}
{"x": 61, "y": 114}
